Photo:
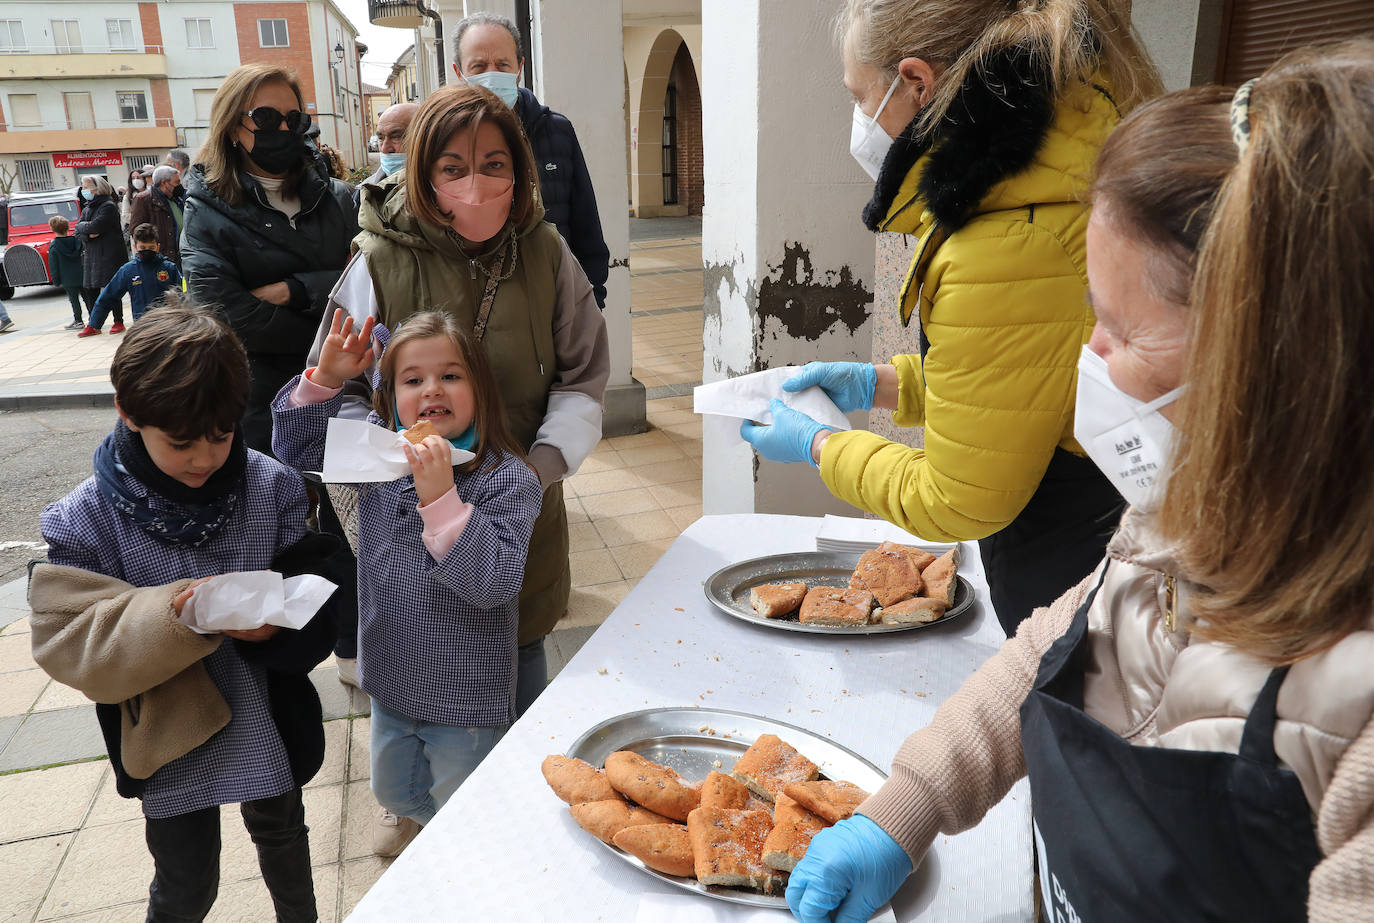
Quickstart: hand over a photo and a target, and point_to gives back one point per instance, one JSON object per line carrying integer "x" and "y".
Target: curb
{"x": 57, "y": 400}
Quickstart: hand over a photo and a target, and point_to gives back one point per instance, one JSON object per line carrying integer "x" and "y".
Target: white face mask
{"x": 138, "y": 184}
{"x": 1130, "y": 440}
{"x": 869, "y": 141}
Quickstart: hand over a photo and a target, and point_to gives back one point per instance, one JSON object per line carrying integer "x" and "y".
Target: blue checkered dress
{"x": 245, "y": 760}
{"x": 436, "y": 639}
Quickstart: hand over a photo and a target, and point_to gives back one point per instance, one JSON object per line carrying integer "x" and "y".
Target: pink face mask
{"x": 479, "y": 204}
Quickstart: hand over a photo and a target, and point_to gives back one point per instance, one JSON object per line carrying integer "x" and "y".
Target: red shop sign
{"x": 87, "y": 159}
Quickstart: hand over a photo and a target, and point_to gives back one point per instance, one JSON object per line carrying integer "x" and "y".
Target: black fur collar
{"x": 992, "y": 130}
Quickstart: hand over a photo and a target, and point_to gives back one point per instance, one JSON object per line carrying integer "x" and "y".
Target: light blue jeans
{"x": 418, "y": 765}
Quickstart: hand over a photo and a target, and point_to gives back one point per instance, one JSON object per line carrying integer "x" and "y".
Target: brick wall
{"x": 690, "y": 155}
{"x": 152, "y": 28}
{"x": 297, "y": 58}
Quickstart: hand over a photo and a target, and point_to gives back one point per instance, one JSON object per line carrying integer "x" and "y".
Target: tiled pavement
{"x": 71, "y": 849}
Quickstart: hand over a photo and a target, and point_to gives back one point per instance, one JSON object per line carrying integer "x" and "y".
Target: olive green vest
{"x": 434, "y": 275}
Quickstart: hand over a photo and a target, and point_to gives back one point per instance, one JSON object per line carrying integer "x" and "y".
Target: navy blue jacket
{"x": 144, "y": 283}
{"x": 566, "y": 188}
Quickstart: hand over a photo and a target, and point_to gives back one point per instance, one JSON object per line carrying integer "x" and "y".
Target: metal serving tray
{"x": 728, "y": 589}
{"x": 675, "y": 737}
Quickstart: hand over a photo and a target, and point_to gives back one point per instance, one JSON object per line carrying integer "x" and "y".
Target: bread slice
{"x": 919, "y": 557}
{"x": 727, "y": 848}
{"x": 658, "y": 788}
{"x": 940, "y": 576}
{"x": 664, "y": 848}
{"x": 770, "y": 764}
{"x": 722, "y": 791}
{"x": 888, "y": 573}
{"x": 793, "y": 828}
{"x": 912, "y": 611}
{"x": 576, "y": 780}
{"x": 604, "y": 819}
{"x": 836, "y": 606}
{"x": 774, "y": 600}
{"x": 419, "y": 431}
{"x": 830, "y": 801}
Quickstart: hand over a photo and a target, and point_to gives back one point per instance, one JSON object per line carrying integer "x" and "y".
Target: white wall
{"x": 199, "y": 62}
{"x": 1169, "y": 28}
{"x": 91, "y": 16}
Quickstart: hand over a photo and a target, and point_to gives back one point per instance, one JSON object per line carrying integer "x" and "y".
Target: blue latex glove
{"x": 852, "y": 868}
{"x": 850, "y": 385}
{"x": 787, "y": 439}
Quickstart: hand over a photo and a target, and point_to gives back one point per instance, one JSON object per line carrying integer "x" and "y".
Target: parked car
{"x": 24, "y": 255}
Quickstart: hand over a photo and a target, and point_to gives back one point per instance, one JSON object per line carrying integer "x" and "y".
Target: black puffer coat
{"x": 100, "y": 231}
{"x": 229, "y": 250}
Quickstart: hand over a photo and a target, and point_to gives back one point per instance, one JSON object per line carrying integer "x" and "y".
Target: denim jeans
{"x": 531, "y": 675}
{"x": 4, "y": 315}
{"x": 418, "y": 765}
{"x": 185, "y": 852}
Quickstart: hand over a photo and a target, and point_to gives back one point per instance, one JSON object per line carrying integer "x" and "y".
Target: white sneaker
{"x": 392, "y": 834}
{"x": 348, "y": 671}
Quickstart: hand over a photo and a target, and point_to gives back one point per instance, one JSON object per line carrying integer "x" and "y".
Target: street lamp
{"x": 339, "y": 52}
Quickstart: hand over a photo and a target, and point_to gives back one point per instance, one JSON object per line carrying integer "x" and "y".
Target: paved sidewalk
{"x": 72, "y": 850}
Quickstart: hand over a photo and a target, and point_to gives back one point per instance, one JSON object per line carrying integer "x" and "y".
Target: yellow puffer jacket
{"x": 1001, "y": 291}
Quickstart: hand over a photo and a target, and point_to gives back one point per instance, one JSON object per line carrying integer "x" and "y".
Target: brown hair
{"x": 489, "y": 410}
{"x": 1162, "y": 192}
{"x": 446, "y": 112}
{"x": 181, "y": 369}
{"x": 1075, "y": 39}
{"x": 220, "y": 156}
{"x": 144, "y": 233}
{"x": 1272, "y": 497}
{"x": 58, "y": 224}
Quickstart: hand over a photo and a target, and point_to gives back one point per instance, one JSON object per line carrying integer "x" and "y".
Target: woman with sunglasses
{"x": 266, "y": 230}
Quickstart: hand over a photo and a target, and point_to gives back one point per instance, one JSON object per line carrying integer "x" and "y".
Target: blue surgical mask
{"x": 499, "y": 82}
{"x": 393, "y": 163}
{"x": 87, "y": 194}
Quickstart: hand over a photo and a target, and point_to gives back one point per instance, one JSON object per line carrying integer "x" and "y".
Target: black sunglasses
{"x": 266, "y": 119}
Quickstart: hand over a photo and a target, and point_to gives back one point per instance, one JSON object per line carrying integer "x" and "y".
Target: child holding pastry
{"x": 441, "y": 555}
{"x": 191, "y": 721}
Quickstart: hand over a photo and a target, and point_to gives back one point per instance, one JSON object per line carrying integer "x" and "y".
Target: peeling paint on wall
{"x": 728, "y": 320}
{"x": 809, "y": 303}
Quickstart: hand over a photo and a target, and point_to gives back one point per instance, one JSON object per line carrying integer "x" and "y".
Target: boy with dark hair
{"x": 191, "y": 721}
{"x": 64, "y": 266}
{"x": 145, "y": 279}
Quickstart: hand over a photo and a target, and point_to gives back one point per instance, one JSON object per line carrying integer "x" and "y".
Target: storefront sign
{"x": 87, "y": 159}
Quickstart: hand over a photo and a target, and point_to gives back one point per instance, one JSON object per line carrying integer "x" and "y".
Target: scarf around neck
{"x": 207, "y": 508}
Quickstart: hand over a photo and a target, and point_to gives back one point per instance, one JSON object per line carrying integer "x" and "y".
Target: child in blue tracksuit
{"x": 191, "y": 721}
{"x": 145, "y": 279}
{"x": 441, "y": 556}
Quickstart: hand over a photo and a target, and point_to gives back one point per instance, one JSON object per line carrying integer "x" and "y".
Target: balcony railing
{"x": 84, "y": 49}
{"x": 86, "y": 124}
{"x": 396, "y": 14}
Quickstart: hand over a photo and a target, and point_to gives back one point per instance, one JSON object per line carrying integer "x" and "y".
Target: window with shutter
{"x": 1256, "y": 33}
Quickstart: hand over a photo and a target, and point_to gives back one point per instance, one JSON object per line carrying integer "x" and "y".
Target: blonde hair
{"x": 219, "y": 156}
{"x": 1073, "y": 39}
{"x": 1272, "y": 497}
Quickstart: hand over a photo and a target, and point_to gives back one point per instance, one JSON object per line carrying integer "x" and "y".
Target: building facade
{"x": 105, "y": 86}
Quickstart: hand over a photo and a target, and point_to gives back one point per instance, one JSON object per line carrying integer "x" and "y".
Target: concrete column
{"x": 788, "y": 264}
{"x": 1183, "y": 37}
{"x": 580, "y": 72}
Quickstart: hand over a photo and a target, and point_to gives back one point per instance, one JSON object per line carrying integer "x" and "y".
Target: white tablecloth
{"x": 505, "y": 848}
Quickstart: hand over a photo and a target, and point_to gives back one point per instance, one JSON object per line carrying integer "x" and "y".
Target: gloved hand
{"x": 851, "y": 385}
{"x": 853, "y": 868}
{"x": 787, "y": 439}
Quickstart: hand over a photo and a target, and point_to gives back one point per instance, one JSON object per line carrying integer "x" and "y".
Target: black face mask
{"x": 149, "y": 256}
{"x": 277, "y": 151}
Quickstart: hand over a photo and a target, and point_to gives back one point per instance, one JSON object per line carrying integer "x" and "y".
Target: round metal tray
{"x": 695, "y": 741}
{"x": 728, "y": 590}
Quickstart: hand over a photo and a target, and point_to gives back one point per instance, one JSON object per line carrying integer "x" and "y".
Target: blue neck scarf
{"x": 466, "y": 440}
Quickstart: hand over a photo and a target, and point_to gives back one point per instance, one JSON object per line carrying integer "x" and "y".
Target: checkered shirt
{"x": 245, "y": 760}
{"x": 436, "y": 639}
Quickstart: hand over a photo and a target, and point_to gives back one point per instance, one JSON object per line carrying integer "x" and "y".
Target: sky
{"x": 384, "y": 45}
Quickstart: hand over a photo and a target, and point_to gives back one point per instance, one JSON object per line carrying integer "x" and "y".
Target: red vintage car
{"x": 24, "y": 256}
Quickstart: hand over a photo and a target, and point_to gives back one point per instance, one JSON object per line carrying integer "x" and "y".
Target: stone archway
{"x": 646, "y": 126}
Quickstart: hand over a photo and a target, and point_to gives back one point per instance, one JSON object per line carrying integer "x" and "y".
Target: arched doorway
{"x": 665, "y": 127}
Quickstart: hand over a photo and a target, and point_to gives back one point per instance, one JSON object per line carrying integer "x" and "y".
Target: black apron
{"x": 1054, "y": 542}
{"x": 1148, "y": 833}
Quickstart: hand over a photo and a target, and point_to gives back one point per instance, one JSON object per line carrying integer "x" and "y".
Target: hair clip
{"x": 1240, "y": 115}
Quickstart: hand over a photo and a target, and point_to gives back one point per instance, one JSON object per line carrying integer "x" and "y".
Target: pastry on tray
{"x": 793, "y": 828}
{"x": 576, "y": 781}
{"x": 664, "y": 848}
{"x": 727, "y": 848}
{"x": 774, "y": 600}
{"x": 889, "y": 573}
{"x": 722, "y": 791}
{"x": 770, "y": 764}
{"x": 940, "y": 576}
{"x": 917, "y": 611}
{"x": 604, "y": 819}
{"x": 658, "y": 788}
{"x": 831, "y": 801}
{"x": 836, "y": 606}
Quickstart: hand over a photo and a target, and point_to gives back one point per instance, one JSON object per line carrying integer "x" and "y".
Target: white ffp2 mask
{"x": 1129, "y": 439}
{"x": 868, "y": 141}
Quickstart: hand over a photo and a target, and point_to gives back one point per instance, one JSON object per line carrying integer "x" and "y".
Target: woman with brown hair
{"x": 1196, "y": 719}
{"x": 979, "y": 121}
{"x": 461, "y": 230}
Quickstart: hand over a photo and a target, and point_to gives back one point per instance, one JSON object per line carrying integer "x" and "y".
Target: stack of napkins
{"x": 845, "y": 534}
{"x": 746, "y": 397}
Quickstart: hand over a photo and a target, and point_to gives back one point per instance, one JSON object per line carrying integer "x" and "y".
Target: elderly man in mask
{"x": 391, "y": 141}
{"x": 487, "y": 53}
{"x": 157, "y": 205}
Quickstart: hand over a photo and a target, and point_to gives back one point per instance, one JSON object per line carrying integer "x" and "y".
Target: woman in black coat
{"x": 267, "y": 232}
{"x": 103, "y": 239}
